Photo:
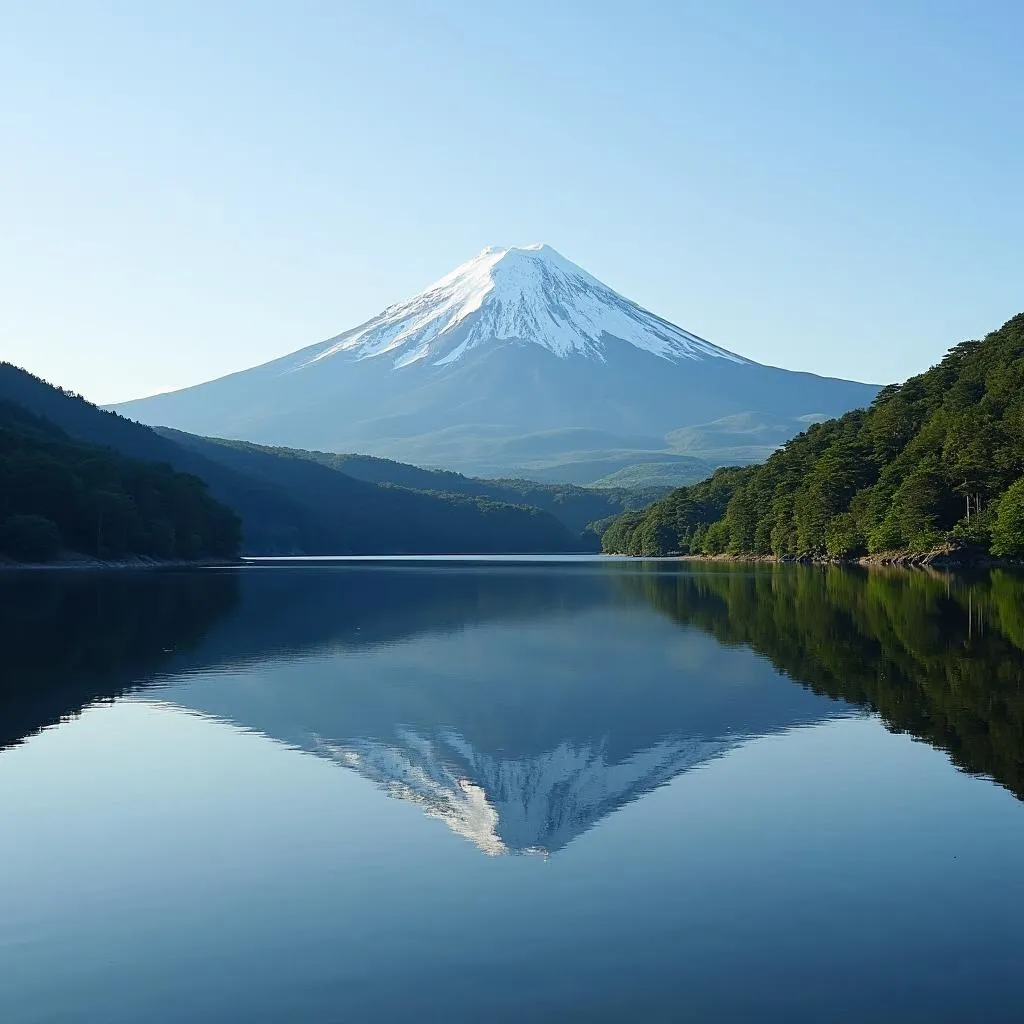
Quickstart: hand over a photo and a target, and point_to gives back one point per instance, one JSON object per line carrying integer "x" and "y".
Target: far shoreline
{"x": 940, "y": 559}
{"x": 87, "y": 564}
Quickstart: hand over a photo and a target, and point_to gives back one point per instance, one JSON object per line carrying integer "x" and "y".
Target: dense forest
{"x": 936, "y": 460}
{"x": 335, "y": 513}
{"x": 938, "y": 657}
{"x": 59, "y": 496}
{"x": 291, "y": 504}
{"x": 574, "y": 506}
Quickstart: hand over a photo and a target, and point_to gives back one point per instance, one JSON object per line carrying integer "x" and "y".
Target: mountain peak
{"x": 535, "y": 249}
{"x": 516, "y": 363}
{"x": 526, "y": 294}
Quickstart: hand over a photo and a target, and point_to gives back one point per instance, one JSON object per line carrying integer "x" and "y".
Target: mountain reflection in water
{"x": 510, "y": 701}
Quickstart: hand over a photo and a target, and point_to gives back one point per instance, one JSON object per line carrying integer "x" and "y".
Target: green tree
{"x": 924, "y": 506}
{"x": 1008, "y": 528}
{"x": 844, "y": 537}
{"x": 929, "y": 461}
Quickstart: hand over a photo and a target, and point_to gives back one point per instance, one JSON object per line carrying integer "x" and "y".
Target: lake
{"x": 512, "y": 790}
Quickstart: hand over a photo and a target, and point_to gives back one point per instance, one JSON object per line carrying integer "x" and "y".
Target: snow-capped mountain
{"x": 516, "y": 361}
{"x": 530, "y": 294}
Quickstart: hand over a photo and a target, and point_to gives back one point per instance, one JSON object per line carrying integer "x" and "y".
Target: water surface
{"x": 457, "y": 790}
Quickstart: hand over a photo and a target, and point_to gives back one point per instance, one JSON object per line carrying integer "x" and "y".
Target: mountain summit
{"x": 528, "y": 294}
{"x": 518, "y": 362}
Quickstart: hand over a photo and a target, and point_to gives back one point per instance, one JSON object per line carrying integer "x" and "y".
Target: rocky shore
{"x": 944, "y": 557}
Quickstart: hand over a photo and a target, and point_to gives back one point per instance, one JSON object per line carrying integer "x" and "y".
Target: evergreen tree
{"x": 932, "y": 460}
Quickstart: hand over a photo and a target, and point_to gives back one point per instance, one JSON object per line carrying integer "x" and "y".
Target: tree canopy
{"x": 60, "y": 495}
{"x": 937, "y": 459}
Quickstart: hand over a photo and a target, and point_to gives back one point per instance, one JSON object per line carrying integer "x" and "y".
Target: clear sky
{"x": 188, "y": 189}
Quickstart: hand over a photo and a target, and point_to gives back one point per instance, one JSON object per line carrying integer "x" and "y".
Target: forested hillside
{"x": 292, "y": 505}
{"x": 938, "y": 459}
{"x": 59, "y": 495}
{"x": 574, "y": 506}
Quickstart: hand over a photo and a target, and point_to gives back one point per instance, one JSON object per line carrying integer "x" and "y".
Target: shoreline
{"x": 86, "y": 563}
{"x": 939, "y": 558}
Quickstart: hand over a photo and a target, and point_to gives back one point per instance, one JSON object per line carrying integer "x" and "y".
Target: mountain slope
{"x": 575, "y": 507}
{"x": 938, "y": 459}
{"x": 293, "y": 505}
{"x": 530, "y": 294}
{"x": 60, "y": 496}
{"x": 516, "y": 362}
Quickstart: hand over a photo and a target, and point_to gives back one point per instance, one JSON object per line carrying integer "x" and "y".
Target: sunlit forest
{"x": 936, "y": 460}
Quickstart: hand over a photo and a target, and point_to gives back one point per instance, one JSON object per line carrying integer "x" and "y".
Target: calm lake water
{"x": 592, "y": 790}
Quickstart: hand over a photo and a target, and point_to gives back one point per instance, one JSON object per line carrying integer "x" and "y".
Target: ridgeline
{"x": 289, "y": 501}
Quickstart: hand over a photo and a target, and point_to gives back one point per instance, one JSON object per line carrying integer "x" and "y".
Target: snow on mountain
{"x": 529, "y": 293}
{"x": 517, "y": 363}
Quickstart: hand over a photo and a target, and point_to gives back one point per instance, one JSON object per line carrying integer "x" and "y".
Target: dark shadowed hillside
{"x": 62, "y": 496}
{"x": 575, "y": 507}
{"x": 294, "y": 505}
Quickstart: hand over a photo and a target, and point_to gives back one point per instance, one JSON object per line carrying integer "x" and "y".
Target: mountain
{"x": 291, "y": 504}
{"x": 937, "y": 460}
{"x": 516, "y": 363}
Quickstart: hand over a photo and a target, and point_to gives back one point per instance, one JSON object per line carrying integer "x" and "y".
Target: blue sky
{"x": 189, "y": 189}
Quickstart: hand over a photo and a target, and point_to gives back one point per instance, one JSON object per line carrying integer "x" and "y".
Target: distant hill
{"x": 575, "y": 507}
{"x": 291, "y": 504}
{"x": 646, "y": 477}
{"x": 936, "y": 460}
{"x": 739, "y": 439}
